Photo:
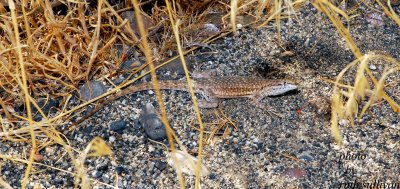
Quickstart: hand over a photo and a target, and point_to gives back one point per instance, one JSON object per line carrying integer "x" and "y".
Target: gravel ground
{"x": 295, "y": 150}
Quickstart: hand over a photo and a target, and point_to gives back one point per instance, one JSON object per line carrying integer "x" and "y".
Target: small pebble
{"x": 97, "y": 174}
{"x": 305, "y": 156}
{"x": 209, "y": 30}
{"x": 105, "y": 179}
{"x": 372, "y": 67}
{"x": 118, "y": 81}
{"x": 49, "y": 150}
{"x": 38, "y": 157}
{"x": 343, "y": 122}
{"x": 119, "y": 169}
{"x": 294, "y": 173}
{"x": 160, "y": 165}
{"x": 151, "y": 148}
{"x": 118, "y": 126}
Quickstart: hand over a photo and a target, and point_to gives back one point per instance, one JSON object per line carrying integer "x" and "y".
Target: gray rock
{"x": 97, "y": 89}
{"x": 152, "y": 124}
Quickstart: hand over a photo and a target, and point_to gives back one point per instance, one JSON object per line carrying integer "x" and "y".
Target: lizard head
{"x": 281, "y": 86}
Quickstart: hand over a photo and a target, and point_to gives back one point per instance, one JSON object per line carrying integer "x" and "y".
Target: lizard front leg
{"x": 209, "y": 102}
{"x": 256, "y": 101}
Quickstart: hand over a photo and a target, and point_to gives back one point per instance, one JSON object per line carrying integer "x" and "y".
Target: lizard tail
{"x": 166, "y": 84}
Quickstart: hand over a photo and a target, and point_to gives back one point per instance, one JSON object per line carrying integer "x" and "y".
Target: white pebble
{"x": 343, "y": 122}
{"x": 372, "y": 67}
{"x": 151, "y": 148}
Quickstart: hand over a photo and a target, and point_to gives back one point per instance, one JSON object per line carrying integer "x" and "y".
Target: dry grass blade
{"x": 331, "y": 11}
{"x": 360, "y": 87}
{"x": 379, "y": 92}
{"x": 84, "y": 41}
{"x": 186, "y": 163}
{"x": 4, "y": 184}
{"x": 223, "y": 123}
{"x": 97, "y": 147}
{"x": 175, "y": 27}
{"x": 335, "y": 114}
{"x": 348, "y": 109}
{"x": 234, "y": 10}
{"x": 278, "y": 7}
{"x": 94, "y": 44}
{"x": 390, "y": 13}
{"x": 47, "y": 54}
{"x": 23, "y": 84}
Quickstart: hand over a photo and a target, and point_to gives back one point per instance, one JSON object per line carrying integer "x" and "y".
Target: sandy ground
{"x": 292, "y": 151}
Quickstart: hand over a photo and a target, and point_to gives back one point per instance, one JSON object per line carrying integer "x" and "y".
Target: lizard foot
{"x": 270, "y": 111}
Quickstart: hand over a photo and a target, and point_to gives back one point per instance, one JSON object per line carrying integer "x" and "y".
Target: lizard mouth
{"x": 285, "y": 89}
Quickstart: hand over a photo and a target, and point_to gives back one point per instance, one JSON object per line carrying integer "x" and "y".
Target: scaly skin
{"x": 214, "y": 87}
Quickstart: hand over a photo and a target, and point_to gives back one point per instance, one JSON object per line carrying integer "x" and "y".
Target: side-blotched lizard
{"x": 254, "y": 88}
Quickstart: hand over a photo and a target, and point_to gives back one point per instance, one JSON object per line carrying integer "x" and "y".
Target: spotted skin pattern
{"x": 212, "y": 88}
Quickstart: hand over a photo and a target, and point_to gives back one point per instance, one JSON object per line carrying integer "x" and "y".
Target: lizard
{"x": 255, "y": 88}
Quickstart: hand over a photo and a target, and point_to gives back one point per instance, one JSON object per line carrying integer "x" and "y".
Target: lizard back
{"x": 233, "y": 87}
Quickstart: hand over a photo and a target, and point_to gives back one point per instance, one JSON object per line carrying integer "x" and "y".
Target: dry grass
{"x": 345, "y": 106}
{"x": 46, "y": 54}
{"x": 347, "y": 98}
